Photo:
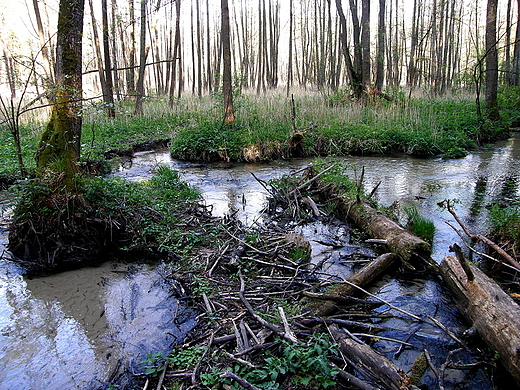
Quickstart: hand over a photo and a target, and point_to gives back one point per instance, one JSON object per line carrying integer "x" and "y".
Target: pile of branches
{"x": 261, "y": 325}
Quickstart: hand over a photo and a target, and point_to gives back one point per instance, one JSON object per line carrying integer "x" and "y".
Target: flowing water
{"x": 81, "y": 329}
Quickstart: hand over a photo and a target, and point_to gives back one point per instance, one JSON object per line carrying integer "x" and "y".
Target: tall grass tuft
{"x": 418, "y": 224}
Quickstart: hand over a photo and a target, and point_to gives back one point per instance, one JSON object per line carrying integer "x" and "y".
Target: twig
{"x": 385, "y": 338}
{"x": 430, "y": 363}
{"x": 288, "y": 332}
{"x": 163, "y": 374}
{"x": 310, "y": 180}
{"x": 447, "y": 331}
{"x": 253, "y": 313}
{"x": 382, "y": 300}
{"x": 197, "y": 366}
{"x": 444, "y": 366}
{"x": 239, "y": 380}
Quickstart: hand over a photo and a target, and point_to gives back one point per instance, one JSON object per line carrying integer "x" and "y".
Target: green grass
{"x": 422, "y": 127}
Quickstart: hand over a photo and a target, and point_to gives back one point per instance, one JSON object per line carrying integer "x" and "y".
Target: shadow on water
{"x": 72, "y": 330}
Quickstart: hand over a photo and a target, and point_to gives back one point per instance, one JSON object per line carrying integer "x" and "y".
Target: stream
{"x": 83, "y": 329}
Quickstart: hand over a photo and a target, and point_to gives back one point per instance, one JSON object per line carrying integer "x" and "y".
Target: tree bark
{"x": 381, "y": 36}
{"x": 48, "y": 80}
{"x": 364, "y": 357}
{"x": 515, "y": 69}
{"x": 229, "y": 115}
{"x": 59, "y": 147}
{"x": 493, "y": 313}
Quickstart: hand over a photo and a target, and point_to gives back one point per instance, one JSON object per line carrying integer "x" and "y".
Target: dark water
{"x": 75, "y": 329}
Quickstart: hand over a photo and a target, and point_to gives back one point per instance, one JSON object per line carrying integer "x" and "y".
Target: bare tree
{"x": 229, "y": 115}
{"x": 491, "y": 103}
{"x": 289, "y": 62}
{"x": 143, "y": 54}
{"x": 109, "y": 90}
{"x": 380, "y": 56}
{"x": 515, "y": 67}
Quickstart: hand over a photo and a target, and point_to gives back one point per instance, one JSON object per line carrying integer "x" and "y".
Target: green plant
{"x": 505, "y": 224}
{"x": 153, "y": 363}
{"x": 185, "y": 358}
{"x": 201, "y": 286}
{"x": 418, "y": 224}
{"x": 304, "y": 364}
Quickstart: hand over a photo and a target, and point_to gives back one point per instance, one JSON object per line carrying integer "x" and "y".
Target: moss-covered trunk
{"x": 58, "y": 151}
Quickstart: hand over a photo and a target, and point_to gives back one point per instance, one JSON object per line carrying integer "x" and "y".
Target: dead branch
{"x": 484, "y": 239}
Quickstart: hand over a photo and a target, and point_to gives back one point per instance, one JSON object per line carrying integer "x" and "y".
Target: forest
{"x": 424, "y": 92}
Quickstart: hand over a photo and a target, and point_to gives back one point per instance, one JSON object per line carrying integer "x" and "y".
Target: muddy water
{"x": 80, "y": 329}
{"x": 84, "y": 329}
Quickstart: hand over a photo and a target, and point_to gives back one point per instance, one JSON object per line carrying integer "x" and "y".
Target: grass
{"x": 263, "y": 128}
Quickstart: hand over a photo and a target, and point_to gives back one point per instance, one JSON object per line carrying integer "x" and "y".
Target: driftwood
{"x": 493, "y": 313}
{"x": 366, "y": 359}
{"x": 361, "y": 278}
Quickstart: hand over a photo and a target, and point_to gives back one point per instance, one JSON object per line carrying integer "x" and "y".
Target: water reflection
{"x": 82, "y": 329}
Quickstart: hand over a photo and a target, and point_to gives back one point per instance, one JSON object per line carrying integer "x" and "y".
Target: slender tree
{"x": 289, "y": 62}
{"x": 515, "y": 67}
{"x": 380, "y": 56}
{"x": 143, "y": 54}
{"x": 109, "y": 98}
{"x": 47, "y": 66}
{"x": 491, "y": 102}
{"x": 59, "y": 148}
{"x": 229, "y": 115}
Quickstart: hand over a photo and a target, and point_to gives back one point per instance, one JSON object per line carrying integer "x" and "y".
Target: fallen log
{"x": 380, "y": 368}
{"x": 398, "y": 240}
{"x": 492, "y": 312}
{"x": 364, "y": 276}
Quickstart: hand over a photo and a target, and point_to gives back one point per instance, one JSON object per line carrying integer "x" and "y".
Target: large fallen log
{"x": 377, "y": 225}
{"x": 397, "y": 239}
{"x": 492, "y": 312}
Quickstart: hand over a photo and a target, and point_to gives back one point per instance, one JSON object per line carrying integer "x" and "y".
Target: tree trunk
{"x": 109, "y": 98}
{"x": 143, "y": 53}
{"x": 99, "y": 56}
{"x": 130, "y": 73}
{"x": 363, "y": 277}
{"x": 365, "y": 44}
{"x": 48, "y": 80}
{"x": 515, "y": 69}
{"x": 363, "y": 357}
{"x": 380, "y": 56}
{"x": 229, "y": 116}
{"x": 491, "y": 103}
{"x": 59, "y": 148}
{"x": 289, "y": 61}
{"x": 176, "y": 49}
{"x": 352, "y": 74}
{"x": 493, "y": 313}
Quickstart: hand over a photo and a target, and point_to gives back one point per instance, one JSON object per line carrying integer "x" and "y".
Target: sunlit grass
{"x": 418, "y": 126}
